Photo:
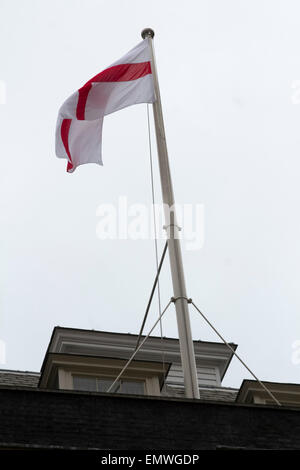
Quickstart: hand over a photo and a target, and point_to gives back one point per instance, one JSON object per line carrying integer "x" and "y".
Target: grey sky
{"x": 226, "y": 72}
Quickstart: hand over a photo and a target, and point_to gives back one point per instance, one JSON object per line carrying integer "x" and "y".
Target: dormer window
{"x": 97, "y": 374}
{"x": 90, "y": 360}
{"x": 102, "y": 384}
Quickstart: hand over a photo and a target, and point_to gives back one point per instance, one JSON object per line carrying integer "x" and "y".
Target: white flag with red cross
{"x": 126, "y": 82}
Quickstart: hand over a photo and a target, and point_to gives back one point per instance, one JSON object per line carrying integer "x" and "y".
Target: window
{"x": 131, "y": 387}
{"x": 84, "y": 383}
{"x": 102, "y": 384}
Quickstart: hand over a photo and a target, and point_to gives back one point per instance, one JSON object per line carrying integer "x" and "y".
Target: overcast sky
{"x": 228, "y": 74}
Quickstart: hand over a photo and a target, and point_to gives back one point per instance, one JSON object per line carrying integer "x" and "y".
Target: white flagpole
{"x": 181, "y": 301}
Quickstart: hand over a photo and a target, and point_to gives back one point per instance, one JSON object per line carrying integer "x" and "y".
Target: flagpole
{"x": 179, "y": 289}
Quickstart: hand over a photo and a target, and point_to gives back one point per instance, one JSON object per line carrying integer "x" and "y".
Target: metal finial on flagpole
{"x": 147, "y": 32}
{"x": 179, "y": 290}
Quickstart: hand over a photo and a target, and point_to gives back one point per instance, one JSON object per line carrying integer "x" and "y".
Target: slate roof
{"x": 16, "y": 378}
{"x": 19, "y": 378}
{"x": 222, "y": 394}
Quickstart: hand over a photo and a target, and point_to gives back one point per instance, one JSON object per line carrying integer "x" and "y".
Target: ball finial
{"x": 147, "y": 32}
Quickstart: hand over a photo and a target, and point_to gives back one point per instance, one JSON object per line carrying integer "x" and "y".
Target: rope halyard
{"x": 158, "y": 267}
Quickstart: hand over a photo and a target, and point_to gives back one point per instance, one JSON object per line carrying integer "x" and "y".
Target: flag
{"x": 126, "y": 82}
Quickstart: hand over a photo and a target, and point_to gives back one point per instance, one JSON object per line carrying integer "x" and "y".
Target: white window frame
{"x": 65, "y": 380}
{"x": 110, "y": 378}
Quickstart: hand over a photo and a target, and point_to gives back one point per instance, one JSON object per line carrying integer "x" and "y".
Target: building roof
{"x": 89, "y": 346}
{"x": 19, "y": 378}
{"x": 252, "y": 392}
{"x": 222, "y": 394}
{"x": 15, "y": 378}
{"x": 121, "y": 345}
{"x": 116, "y": 333}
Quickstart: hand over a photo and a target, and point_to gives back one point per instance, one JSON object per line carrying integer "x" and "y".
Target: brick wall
{"x": 87, "y": 420}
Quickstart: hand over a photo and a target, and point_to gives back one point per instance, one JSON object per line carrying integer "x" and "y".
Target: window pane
{"x": 97, "y": 384}
{"x": 103, "y": 384}
{"x": 136, "y": 388}
{"x": 81, "y": 382}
